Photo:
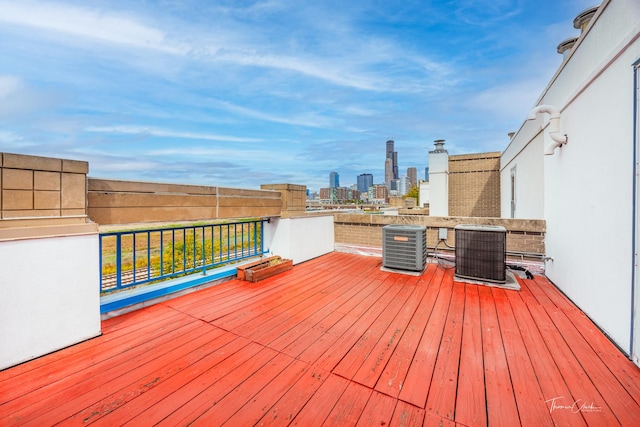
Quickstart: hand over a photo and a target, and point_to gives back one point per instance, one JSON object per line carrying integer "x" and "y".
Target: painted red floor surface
{"x": 336, "y": 341}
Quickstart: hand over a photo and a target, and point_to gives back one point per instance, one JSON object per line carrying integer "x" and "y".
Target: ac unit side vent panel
{"x": 481, "y": 252}
{"x": 404, "y": 247}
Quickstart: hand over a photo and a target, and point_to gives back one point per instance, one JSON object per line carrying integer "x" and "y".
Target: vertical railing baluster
{"x": 161, "y": 253}
{"x": 134, "y": 257}
{"x": 148, "y": 255}
{"x": 173, "y": 250}
{"x": 118, "y": 261}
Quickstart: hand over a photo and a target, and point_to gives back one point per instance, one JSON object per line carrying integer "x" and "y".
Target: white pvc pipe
{"x": 554, "y": 126}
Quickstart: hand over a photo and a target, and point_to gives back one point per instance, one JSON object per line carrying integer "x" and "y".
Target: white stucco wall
{"x": 525, "y": 154}
{"x": 49, "y": 295}
{"x": 439, "y": 184}
{"x": 424, "y": 194}
{"x": 300, "y": 238}
{"x": 588, "y": 183}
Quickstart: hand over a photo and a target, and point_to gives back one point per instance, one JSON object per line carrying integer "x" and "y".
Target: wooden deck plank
{"x": 406, "y": 415}
{"x": 553, "y": 293}
{"x": 532, "y": 407}
{"x": 353, "y": 360}
{"x": 442, "y": 394}
{"x": 341, "y": 336}
{"x": 374, "y": 363}
{"x": 273, "y": 325}
{"x": 417, "y": 383}
{"x": 129, "y": 383}
{"x": 348, "y": 408}
{"x": 350, "y": 288}
{"x": 621, "y": 367}
{"x": 181, "y": 396}
{"x": 626, "y": 410}
{"x": 122, "y": 406}
{"x": 82, "y": 381}
{"x": 501, "y": 404}
{"x": 222, "y": 410}
{"x": 543, "y": 363}
{"x": 350, "y": 332}
{"x": 576, "y": 379}
{"x": 291, "y": 403}
{"x": 252, "y": 411}
{"x": 471, "y": 401}
{"x": 395, "y": 371}
{"x": 379, "y": 410}
{"x": 195, "y": 407}
{"x": 318, "y": 408}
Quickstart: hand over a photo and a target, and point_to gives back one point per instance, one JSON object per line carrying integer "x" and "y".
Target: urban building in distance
{"x": 393, "y": 156}
{"x": 412, "y": 174}
{"x": 334, "y": 180}
{"x": 365, "y": 181}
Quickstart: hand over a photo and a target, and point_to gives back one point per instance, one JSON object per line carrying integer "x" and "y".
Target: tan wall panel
{"x": 247, "y": 212}
{"x": 46, "y": 181}
{"x": 75, "y": 166}
{"x": 142, "y": 200}
{"x": 21, "y": 161}
{"x": 46, "y": 200}
{"x": 30, "y": 213}
{"x": 74, "y": 191}
{"x": 17, "y": 179}
{"x": 104, "y": 216}
{"x": 147, "y": 187}
{"x": 246, "y": 201}
{"x": 17, "y": 199}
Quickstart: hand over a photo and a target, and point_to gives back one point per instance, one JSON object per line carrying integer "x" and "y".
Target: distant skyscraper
{"x": 426, "y": 173}
{"x": 403, "y": 185}
{"x": 412, "y": 174}
{"x": 365, "y": 181}
{"x": 334, "y": 180}
{"x": 393, "y": 155}
{"x": 388, "y": 171}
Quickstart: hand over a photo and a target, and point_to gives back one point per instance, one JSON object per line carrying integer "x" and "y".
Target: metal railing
{"x": 137, "y": 257}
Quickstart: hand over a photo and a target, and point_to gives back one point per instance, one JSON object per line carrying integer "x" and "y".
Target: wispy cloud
{"x": 101, "y": 25}
{"x": 167, "y": 133}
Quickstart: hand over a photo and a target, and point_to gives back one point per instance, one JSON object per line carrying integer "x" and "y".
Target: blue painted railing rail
{"x": 137, "y": 257}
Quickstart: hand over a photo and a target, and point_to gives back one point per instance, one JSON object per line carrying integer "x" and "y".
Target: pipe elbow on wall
{"x": 554, "y": 126}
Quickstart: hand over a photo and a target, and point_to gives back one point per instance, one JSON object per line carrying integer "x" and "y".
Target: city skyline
{"x": 239, "y": 94}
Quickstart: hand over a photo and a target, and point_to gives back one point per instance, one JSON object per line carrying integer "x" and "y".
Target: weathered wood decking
{"x": 336, "y": 341}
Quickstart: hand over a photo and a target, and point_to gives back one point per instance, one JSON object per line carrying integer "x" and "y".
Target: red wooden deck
{"x": 336, "y": 341}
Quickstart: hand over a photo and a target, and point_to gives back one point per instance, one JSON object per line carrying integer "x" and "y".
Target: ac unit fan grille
{"x": 481, "y": 253}
{"x": 404, "y": 247}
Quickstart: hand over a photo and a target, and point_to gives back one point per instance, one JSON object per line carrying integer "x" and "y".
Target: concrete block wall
{"x": 294, "y": 198}
{"x": 127, "y": 202}
{"x": 474, "y": 185}
{"x": 366, "y": 230}
{"x": 41, "y": 187}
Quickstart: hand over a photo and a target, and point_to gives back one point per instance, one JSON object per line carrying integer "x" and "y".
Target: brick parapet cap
{"x": 526, "y": 225}
{"x": 47, "y": 164}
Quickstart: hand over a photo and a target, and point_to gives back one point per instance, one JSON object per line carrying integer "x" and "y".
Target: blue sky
{"x": 238, "y": 93}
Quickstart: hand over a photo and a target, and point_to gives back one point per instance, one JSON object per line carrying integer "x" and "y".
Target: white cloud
{"x": 8, "y": 86}
{"x": 165, "y": 133}
{"x": 96, "y": 24}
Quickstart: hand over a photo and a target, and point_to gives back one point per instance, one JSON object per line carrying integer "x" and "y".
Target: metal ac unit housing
{"x": 481, "y": 252}
{"x": 404, "y": 247}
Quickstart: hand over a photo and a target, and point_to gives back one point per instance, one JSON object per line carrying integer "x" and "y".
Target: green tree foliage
{"x": 414, "y": 192}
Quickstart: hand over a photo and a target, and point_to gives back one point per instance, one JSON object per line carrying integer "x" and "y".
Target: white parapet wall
{"x": 300, "y": 238}
{"x": 49, "y": 292}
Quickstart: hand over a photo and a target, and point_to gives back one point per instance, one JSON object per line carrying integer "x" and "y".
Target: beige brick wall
{"x": 366, "y": 230}
{"x": 40, "y": 187}
{"x": 474, "y": 185}
{"x": 294, "y": 198}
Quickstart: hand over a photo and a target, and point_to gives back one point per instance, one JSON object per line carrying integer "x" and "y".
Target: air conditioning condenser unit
{"x": 404, "y": 247}
{"x": 481, "y": 252}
